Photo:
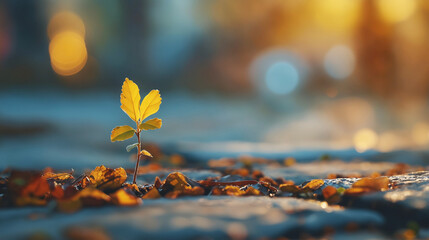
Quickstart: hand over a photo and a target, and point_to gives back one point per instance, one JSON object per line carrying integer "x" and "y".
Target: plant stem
{"x": 138, "y": 154}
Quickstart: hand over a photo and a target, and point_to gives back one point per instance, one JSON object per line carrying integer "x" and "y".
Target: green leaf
{"x": 132, "y": 146}
{"x": 121, "y": 133}
{"x": 151, "y": 124}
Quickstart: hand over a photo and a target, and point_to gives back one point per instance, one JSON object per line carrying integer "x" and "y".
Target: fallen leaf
{"x": 329, "y": 191}
{"x": 124, "y": 198}
{"x": 314, "y": 184}
{"x": 58, "y": 177}
{"x": 374, "y": 184}
{"x": 175, "y": 181}
{"x": 106, "y": 178}
{"x": 152, "y": 194}
{"x": 92, "y": 197}
{"x": 290, "y": 188}
{"x": 356, "y": 191}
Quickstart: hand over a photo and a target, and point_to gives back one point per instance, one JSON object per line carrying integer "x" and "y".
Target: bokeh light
{"x": 339, "y": 62}
{"x": 68, "y": 53}
{"x": 388, "y": 141}
{"x": 65, "y": 21}
{"x": 336, "y": 15}
{"x": 394, "y": 11}
{"x": 282, "y": 78}
{"x": 365, "y": 139}
{"x": 420, "y": 133}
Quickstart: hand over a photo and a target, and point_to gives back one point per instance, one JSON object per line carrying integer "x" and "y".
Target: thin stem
{"x": 138, "y": 154}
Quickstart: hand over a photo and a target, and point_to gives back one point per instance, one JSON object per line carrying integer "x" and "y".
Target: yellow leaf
{"x": 121, "y": 133}
{"x": 106, "y": 178}
{"x": 150, "y": 104}
{"x": 145, "y": 153}
{"x": 130, "y": 99}
{"x": 124, "y": 198}
{"x": 151, "y": 124}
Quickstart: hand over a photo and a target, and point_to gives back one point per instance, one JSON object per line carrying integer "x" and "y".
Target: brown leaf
{"x": 356, "y": 191}
{"x": 195, "y": 191}
{"x": 106, "y": 178}
{"x": 125, "y": 198}
{"x": 57, "y": 192}
{"x": 290, "y": 188}
{"x": 176, "y": 181}
{"x": 329, "y": 191}
{"x": 374, "y": 184}
{"x": 233, "y": 191}
{"x": 157, "y": 183}
{"x": 313, "y": 185}
{"x": 251, "y": 191}
{"x": 92, "y": 197}
{"x": 268, "y": 180}
{"x": 152, "y": 194}
{"x": 58, "y": 177}
{"x": 38, "y": 187}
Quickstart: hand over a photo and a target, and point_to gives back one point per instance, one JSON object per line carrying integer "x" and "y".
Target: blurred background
{"x": 235, "y": 76}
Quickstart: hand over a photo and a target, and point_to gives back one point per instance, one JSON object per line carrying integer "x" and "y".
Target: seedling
{"x": 138, "y": 112}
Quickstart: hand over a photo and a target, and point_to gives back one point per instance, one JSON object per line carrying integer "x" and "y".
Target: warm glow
{"x": 365, "y": 139}
{"x": 68, "y": 53}
{"x": 339, "y": 62}
{"x": 420, "y": 133}
{"x": 388, "y": 141}
{"x": 396, "y": 10}
{"x": 65, "y": 21}
{"x": 336, "y": 15}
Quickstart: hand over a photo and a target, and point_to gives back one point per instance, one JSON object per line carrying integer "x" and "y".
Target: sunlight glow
{"x": 339, "y": 62}
{"x": 65, "y": 21}
{"x": 336, "y": 15}
{"x": 420, "y": 133}
{"x": 68, "y": 53}
{"x": 365, "y": 139}
{"x": 396, "y": 10}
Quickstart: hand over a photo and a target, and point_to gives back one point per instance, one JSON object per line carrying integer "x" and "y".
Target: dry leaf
{"x": 124, "y": 198}
{"x": 375, "y": 184}
{"x": 329, "y": 191}
{"x": 290, "y": 188}
{"x": 314, "y": 184}
{"x": 106, "y": 178}
{"x": 152, "y": 194}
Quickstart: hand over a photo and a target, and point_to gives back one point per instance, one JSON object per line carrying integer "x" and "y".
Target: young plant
{"x": 138, "y": 112}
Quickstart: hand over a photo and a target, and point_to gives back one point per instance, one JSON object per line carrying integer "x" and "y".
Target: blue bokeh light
{"x": 282, "y": 78}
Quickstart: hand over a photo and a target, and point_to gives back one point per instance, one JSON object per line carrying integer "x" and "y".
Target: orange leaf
{"x": 374, "y": 184}
{"x": 124, "y": 198}
{"x": 314, "y": 184}
{"x": 152, "y": 194}
{"x": 106, "y": 178}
